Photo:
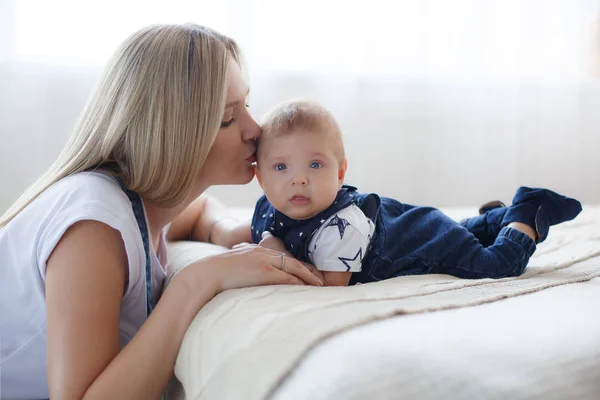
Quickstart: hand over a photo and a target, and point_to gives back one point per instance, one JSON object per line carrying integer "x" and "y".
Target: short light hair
{"x": 301, "y": 115}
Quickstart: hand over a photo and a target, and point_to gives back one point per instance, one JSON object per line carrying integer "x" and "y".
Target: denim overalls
{"x": 138, "y": 211}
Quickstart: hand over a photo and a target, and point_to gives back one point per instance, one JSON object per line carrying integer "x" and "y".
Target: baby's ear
{"x": 342, "y": 173}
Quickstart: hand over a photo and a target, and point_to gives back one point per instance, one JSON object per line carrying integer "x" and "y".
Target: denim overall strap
{"x": 138, "y": 211}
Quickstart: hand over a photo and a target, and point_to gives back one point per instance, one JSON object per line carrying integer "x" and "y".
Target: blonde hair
{"x": 153, "y": 117}
{"x": 301, "y": 115}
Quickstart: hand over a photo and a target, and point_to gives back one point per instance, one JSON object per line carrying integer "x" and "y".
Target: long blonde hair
{"x": 153, "y": 117}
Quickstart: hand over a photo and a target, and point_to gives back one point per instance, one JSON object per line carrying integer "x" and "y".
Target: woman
{"x": 82, "y": 252}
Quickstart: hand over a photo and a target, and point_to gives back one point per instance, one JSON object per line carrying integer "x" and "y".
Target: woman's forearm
{"x": 206, "y": 219}
{"x": 228, "y": 232}
{"x": 144, "y": 367}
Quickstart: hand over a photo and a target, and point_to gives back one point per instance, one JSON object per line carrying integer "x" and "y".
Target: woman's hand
{"x": 250, "y": 265}
{"x": 271, "y": 242}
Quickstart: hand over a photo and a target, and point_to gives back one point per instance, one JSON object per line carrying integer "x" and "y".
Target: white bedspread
{"x": 255, "y": 343}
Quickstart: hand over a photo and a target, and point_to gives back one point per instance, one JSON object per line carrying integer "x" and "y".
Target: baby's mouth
{"x": 299, "y": 199}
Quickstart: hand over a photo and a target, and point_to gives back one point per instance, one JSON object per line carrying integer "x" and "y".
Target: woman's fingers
{"x": 253, "y": 265}
{"x": 279, "y": 277}
{"x": 295, "y": 267}
{"x": 314, "y": 271}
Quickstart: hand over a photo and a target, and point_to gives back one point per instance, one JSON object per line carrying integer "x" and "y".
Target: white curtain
{"x": 441, "y": 102}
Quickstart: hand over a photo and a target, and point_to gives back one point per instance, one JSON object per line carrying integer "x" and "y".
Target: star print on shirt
{"x": 344, "y": 259}
{"x": 341, "y": 224}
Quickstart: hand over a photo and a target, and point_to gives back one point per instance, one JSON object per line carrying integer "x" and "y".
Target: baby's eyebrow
{"x": 318, "y": 154}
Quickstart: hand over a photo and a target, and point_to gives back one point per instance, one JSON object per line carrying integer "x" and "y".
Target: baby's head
{"x": 301, "y": 161}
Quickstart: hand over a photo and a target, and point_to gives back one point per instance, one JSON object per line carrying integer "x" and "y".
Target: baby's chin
{"x": 300, "y": 215}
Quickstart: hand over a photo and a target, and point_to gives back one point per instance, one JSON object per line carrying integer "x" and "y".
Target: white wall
{"x": 441, "y": 103}
{"x": 438, "y": 143}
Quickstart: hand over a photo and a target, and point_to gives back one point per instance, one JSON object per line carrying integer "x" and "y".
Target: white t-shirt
{"x": 342, "y": 240}
{"x": 25, "y": 245}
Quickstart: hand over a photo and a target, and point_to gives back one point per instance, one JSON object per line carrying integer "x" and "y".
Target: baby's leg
{"x": 487, "y": 224}
{"x": 526, "y": 229}
{"x": 540, "y": 209}
{"x": 533, "y": 211}
{"x": 460, "y": 253}
{"x": 425, "y": 240}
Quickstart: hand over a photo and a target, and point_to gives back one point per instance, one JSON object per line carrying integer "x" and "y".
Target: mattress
{"x": 421, "y": 337}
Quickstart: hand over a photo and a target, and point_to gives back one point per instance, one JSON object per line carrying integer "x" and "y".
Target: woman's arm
{"x": 85, "y": 280}
{"x": 208, "y": 220}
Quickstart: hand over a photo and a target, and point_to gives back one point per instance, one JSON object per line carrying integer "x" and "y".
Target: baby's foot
{"x": 540, "y": 209}
{"x": 490, "y": 205}
{"x": 487, "y": 225}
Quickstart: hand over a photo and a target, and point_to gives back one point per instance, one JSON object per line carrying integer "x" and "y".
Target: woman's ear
{"x": 342, "y": 173}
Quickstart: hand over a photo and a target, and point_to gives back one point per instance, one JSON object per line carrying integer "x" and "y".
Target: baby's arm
{"x": 337, "y": 278}
{"x": 339, "y": 248}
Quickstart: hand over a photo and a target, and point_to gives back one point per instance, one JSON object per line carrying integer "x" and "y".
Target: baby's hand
{"x": 271, "y": 242}
{"x": 268, "y": 241}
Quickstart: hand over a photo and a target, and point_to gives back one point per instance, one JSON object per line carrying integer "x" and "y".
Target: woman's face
{"x": 234, "y": 150}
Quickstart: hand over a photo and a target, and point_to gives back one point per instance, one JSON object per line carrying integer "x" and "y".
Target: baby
{"x": 361, "y": 237}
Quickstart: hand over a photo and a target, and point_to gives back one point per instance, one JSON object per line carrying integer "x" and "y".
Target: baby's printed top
{"x": 336, "y": 239}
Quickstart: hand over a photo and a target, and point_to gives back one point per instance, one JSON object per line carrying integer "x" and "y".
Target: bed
{"x": 536, "y": 336}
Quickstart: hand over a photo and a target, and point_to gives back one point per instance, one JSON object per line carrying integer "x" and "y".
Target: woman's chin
{"x": 245, "y": 177}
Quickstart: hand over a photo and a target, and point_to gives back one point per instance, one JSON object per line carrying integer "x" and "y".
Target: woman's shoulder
{"x": 88, "y": 183}
{"x": 83, "y": 196}
{"x": 88, "y": 189}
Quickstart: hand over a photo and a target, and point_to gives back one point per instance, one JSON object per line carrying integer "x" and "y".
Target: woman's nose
{"x": 251, "y": 129}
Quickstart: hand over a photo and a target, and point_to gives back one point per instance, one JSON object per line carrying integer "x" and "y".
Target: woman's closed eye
{"x": 228, "y": 123}
{"x": 232, "y": 120}
{"x": 316, "y": 165}
{"x": 280, "y": 167}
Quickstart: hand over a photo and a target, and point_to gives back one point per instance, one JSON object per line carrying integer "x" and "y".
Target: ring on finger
{"x": 282, "y": 261}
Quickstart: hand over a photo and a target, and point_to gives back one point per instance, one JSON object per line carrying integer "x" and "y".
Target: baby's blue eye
{"x": 315, "y": 165}
{"x": 280, "y": 167}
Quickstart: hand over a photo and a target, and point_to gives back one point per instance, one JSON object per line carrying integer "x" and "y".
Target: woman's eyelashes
{"x": 231, "y": 121}
{"x": 228, "y": 123}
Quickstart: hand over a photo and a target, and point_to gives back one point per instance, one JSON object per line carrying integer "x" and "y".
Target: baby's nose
{"x": 300, "y": 180}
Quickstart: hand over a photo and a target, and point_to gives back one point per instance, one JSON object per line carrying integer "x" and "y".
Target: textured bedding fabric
{"x": 534, "y": 336}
